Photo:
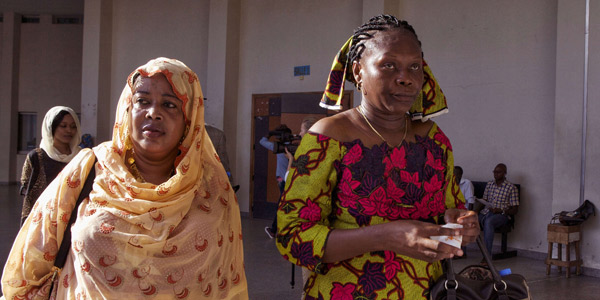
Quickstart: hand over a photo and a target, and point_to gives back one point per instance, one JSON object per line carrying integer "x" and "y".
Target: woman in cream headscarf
{"x": 61, "y": 135}
{"x": 161, "y": 220}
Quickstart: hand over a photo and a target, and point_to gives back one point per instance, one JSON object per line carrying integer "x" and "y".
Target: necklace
{"x": 360, "y": 110}
{"x": 134, "y": 170}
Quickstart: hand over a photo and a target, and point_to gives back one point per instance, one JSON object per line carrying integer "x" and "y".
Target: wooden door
{"x": 269, "y": 111}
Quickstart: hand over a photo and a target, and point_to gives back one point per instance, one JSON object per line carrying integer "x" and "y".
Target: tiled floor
{"x": 269, "y": 275}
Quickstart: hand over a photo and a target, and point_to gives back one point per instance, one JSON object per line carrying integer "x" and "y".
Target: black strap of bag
{"x": 61, "y": 256}
{"x": 451, "y": 284}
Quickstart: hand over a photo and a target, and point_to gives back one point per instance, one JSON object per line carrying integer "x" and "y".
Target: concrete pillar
{"x": 9, "y": 95}
{"x": 214, "y": 91}
{"x": 232, "y": 78}
{"x": 223, "y": 71}
{"x": 96, "y": 70}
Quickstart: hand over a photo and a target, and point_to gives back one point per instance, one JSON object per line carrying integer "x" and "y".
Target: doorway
{"x": 268, "y": 112}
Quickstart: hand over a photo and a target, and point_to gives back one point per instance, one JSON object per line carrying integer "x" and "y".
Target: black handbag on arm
{"x": 478, "y": 283}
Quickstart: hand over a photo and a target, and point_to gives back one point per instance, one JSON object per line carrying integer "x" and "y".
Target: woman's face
{"x": 66, "y": 130}
{"x": 391, "y": 70}
{"x": 157, "y": 118}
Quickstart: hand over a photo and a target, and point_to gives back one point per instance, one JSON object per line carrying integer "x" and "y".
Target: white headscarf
{"x": 47, "y": 142}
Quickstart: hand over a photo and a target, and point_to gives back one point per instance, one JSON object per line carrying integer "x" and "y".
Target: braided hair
{"x": 362, "y": 34}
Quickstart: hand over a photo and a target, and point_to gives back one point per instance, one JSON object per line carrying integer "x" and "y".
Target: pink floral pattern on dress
{"x": 396, "y": 160}
{"x": 342, "y": 292}
{"x": 391, "y": 266}
{"x": 354, "y": 155}
{"x": 347, "y": 185}
{"x": 391, "y": 192}
{"x": 442, "y": 138}
{"x": 311, "y": 212}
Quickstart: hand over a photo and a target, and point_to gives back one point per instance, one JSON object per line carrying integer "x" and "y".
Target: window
{"x": 75, "y": 19}
{"x": 30, "y": 19}
{"x": 27, "y": 131}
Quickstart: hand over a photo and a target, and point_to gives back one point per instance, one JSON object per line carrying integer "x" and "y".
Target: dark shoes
{"x": 270, "y": 233}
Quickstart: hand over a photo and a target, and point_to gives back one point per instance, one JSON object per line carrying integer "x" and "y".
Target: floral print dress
{"x": 346, "y": 185}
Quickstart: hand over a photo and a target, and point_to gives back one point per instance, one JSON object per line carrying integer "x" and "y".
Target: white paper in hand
{"x": 455, "y": 240}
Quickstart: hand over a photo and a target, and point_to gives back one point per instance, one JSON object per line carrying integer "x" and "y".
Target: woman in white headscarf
{"x": 61, "y": 135}
{"x": 161, "y": 220}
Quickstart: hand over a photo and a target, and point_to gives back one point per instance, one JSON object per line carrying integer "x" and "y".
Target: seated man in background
{"x": 502, "y": 200}
{"x": 466, "y": 187}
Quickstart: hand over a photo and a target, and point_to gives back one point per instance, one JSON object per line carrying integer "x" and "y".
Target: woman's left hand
{"x": 468, "y": 219}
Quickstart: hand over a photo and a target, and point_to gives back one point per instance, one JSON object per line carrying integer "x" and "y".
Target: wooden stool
{"x": 564, "y": 235}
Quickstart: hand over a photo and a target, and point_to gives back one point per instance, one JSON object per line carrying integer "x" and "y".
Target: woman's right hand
{"x": 405, "y": 237}
{"x": 412, "y": 238}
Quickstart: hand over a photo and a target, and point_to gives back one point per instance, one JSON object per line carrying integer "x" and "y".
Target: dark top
{"x": 38, "y": 171}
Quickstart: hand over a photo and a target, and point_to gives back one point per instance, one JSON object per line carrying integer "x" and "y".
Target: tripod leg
{"x": 293, "y": 276}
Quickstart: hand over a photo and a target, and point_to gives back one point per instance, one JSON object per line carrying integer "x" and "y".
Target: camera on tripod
{"x": 285, "y": 140}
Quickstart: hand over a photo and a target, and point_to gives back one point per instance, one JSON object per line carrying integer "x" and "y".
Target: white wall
{"x": 569, "y": 110}
{"x": 591, "y": 229}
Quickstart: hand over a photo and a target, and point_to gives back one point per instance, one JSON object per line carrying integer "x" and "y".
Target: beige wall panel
{"x": 50, "y": 67}
{"x": 143, "y": 30}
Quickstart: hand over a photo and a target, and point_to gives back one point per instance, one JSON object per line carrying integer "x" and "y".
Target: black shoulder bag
{"x": 479, "y": 283}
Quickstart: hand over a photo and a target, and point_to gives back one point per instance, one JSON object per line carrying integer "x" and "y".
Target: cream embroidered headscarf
{"x": 47, "y": 142}
{"x": 180, "y": 239}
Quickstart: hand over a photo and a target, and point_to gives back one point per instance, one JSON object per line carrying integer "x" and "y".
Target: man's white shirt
{"x": 466, "y": 187}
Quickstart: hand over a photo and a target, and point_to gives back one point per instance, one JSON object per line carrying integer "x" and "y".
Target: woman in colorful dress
{"x": 161, "y": 221}
{"x": 372, "y": 185}
{"x": 60, "y": 143}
